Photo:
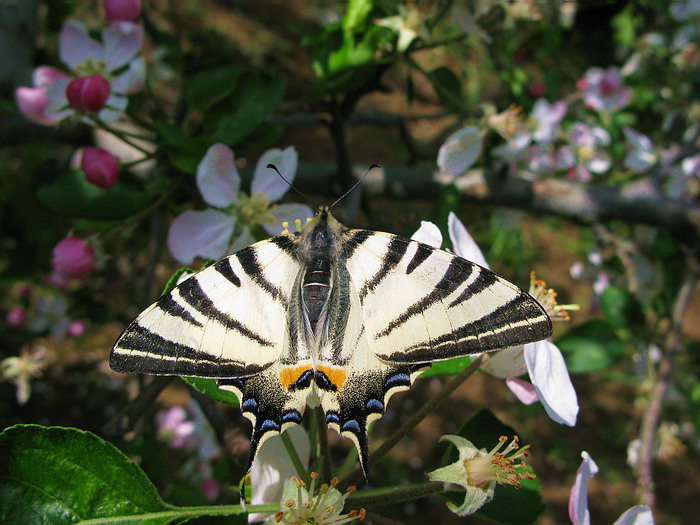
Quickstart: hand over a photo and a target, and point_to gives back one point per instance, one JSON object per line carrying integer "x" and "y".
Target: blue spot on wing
{"x": 351, "y": 426}
{"x": 249, "y": 404}
{"x": 332, "y": 417}
{"x": 291, "y": 416}
{"x": 374, "y": 405}
{"x": 395, "y": 380}
{"x": 268, "y": 425}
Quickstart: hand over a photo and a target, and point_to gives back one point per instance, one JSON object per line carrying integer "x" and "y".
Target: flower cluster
{"x": 186, "y": 428}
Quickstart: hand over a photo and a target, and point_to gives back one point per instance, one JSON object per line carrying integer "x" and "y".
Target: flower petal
{"x": 200, "y": 233}
{"x": 33, "y": 104}
{"x": 548, "y": 373}
{"x": 75, "y": 45}
{"x": 47, "y": 75}
{"x": 114, "y": 108}
{"x": 217, "y": 177}
{"x": 428, "y": 234}
{"x": 131, "y": 81}
{"x": 464, "y": 244}
{"x": 272, "y": 467}
{"x": 578, "y": 498}
{"x": 523, "y": 390}
{"x": 242, "y": 240}
{"x": 637, "y": 515}
{"x": 267, "y": 181}
{"x": 460, "y": 151}
{"x": 505, "y": 363}
{"x": 122, "y": 42}
{"x": 288, "y": 213}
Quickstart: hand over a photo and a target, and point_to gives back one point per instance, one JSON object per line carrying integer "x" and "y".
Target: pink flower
{"x": 547, "y": 118}
{"x": 538, "y": 89}
{"x": 33, "y": 102}
{"x": 101, "y": 168}
{"x": 72, "y": 258}
{"x": 122, "y": 10}
{"x": 209, "y": 233}
{"x": 114, "y": 59}
{"x": 603, "y": 90}
{"x": 88, "y": 94}
{"x": 175, "y": 429}
{"x": 210, "y": 488}
{"x": 16, "y": 317}
{"x": 77, "y": 328}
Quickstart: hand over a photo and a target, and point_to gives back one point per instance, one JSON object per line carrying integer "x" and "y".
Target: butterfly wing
{"x": 422, "y": 304}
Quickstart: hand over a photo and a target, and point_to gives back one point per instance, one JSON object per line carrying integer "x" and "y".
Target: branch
{"x": 637, "y": 202}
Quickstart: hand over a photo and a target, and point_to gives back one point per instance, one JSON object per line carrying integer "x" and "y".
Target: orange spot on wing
{"x": 337, "y": 376}
{"x": 289, "y": 376}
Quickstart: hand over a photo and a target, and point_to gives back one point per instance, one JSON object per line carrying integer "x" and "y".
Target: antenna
{"x": 273, "y": 167}
{"x": 372, "y": 166}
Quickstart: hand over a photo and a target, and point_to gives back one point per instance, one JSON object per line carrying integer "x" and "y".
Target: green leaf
{"x": 256, "y": 96}
{"x": 591, "y": 346}
{"x": 209, "y": 388}
{"x": 448, "y": 88}
{"x": 73, "y": 196}
{"x": 356, "y": 14}
{"x": 448, "y": 368}
{"x": 509, "y": 505}
{"x": 64, "y": 475}
{"x": 210, "y": 86}
{"x": 621, "y": 308}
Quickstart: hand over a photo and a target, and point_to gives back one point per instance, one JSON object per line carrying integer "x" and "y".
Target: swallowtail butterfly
{"x": 330, "y": 316}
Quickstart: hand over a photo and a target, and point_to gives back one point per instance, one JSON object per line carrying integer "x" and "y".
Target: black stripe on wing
{"x": 172, "y": 307}
{"x": 423, "y": 251}
{"x": 140, "y": 350}
{"x": 226, "y": 271}
{"x": 457, "y": 273}
{"x": 248, "y": 260}
{"x": 520, "y": 321}
{"x": 394, "y": 253}
{"x": 194, "y": 295}
{"x": 352, "y": 240}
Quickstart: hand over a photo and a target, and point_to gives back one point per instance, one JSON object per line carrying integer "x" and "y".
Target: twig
{"x": 652, "y": 416}
{"x": 325, "y": 451}
{"x": 131, "y": 413}
{"x": 389, "y": 443}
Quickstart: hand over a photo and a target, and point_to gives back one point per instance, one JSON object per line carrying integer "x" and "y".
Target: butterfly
{"x": 330, "y": 316}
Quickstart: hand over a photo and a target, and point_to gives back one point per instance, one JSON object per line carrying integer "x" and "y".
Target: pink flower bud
{"x": 88, "y": 93}
{"x": 72, "y": 258}
{"x": 101, "y": 168}
{"x": 77, "y": 328}
{"x": 122, "y": 10}
{"x": 210, "y": 488}
{"x": 16, "y": 317}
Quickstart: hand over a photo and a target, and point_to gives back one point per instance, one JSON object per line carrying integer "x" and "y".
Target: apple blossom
{"x": 77, "y": 328}
{"x": 460, "y": 151}
{"x": 209, "y": 233}
{"x": 114, "y": 59}
{"x": 16, "y": 317}
{"x": 578, "y": 499}
{"x": 21, "y": 369}
{"x": 72, "y": 258}
{"x": 478, "y": 471}
{"x": 101, "y": 168}
{"x": 603, "y": 89}
{"x": 302, "y": 505}
{"x": 122, "y": 10}
{"x": 88, "y": 94}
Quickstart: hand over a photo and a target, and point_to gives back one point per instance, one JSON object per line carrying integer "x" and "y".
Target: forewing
{"x": 228, "y": 320}
{"x": 422, "y": 304}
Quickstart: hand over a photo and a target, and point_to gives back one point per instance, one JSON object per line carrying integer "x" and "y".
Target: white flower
{"x": 641, "y": 156}
{"x": 460, "y": 151}
{"x": 578, "y": 499}
{"x": 301, "y": 506}
{"x": 209, "y": 233}
{"x": 478, "y": 471}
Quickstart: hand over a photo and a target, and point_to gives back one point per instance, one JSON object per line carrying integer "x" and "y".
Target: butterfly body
{"x": 331, "y": 316}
